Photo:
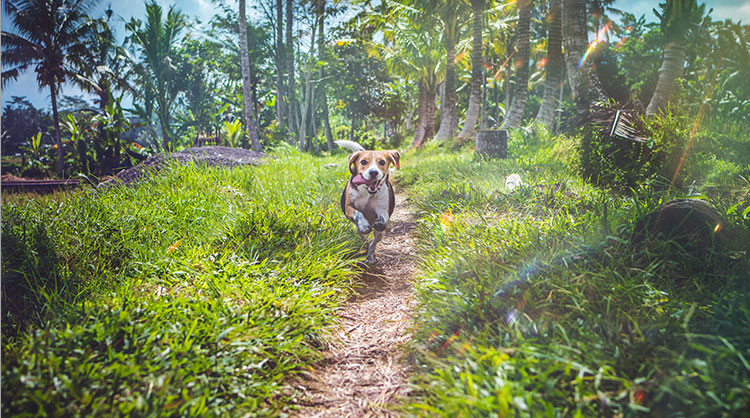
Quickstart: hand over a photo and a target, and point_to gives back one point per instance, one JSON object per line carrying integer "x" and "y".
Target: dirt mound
{"x": 209, "y": 156}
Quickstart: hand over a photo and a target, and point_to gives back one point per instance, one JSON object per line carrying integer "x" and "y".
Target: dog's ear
{"x": 353, "y": 160}
{"x": 395, "y": 157}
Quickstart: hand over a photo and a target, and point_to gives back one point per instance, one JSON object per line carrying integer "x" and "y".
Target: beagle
{"x": 368, "y": 198}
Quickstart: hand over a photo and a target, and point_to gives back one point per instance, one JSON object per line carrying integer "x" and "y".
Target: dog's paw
{"x": 380, "y": 224}
{"x": 363, "y": 227}
{"x": 370, "y": 259}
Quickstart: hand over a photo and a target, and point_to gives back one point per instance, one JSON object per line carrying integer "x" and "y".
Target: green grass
{"x": 198, "y": 292}
{"x": 542, "y": 301}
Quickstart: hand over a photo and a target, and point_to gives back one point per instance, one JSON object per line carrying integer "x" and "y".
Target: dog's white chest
{"x": 363, "y": 200}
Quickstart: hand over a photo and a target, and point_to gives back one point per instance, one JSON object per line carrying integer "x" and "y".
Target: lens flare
{"x": 500, "y": 71}
{"x": 698, "y": 119}
{"x": 599, "y": 39}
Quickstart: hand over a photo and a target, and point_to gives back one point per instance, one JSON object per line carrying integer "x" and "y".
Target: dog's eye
{"x": 382, "y": 162}
{"x": 363, "y": 162}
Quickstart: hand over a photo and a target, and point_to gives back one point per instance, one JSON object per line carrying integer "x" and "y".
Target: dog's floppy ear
{"x": 395, "y": 157}
{"x": 353, "y": 160}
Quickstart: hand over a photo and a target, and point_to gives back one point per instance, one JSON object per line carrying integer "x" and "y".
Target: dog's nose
{"x": 373, "y": 173}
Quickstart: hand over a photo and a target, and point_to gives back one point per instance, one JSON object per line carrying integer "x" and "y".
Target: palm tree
{"x": 554, "y": 66}
{"x": 449, "y": 12}
{"x": 472, "y": 113}
{"x": 678, "y": 18}
{"x": 584, "y": 83}
{"x": 520, "y": 92}
{"x": 97, "y": 72}
{"x": 247, "y": 94}
{"x": 410, "y": 45}
{"x": 156, "y": 42}
{"x": 47, "y": 33}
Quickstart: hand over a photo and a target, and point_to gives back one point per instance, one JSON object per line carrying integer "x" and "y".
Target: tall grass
{"x": 197, "y": 292}
{"x": 543, "y": 301}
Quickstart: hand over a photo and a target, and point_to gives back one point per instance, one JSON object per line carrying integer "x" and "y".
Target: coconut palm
{"x": 584, "y": 83}
{"x": 410, "y": 45}
{"x": 98, "y": 70}
{"x": 553, "y": 67}
{"x": 520, "y": 92}
{"x": 678, "y": 18}
{"x": 46, "y": 33}
{"x": 155, "y": 41}
{"x": 449, "y": 12}
{"x": 245, "y": 62}
{"x": 472, "y": 113}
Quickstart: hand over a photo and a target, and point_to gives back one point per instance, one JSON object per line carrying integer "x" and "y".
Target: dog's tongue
{"x": 358, "y": 179}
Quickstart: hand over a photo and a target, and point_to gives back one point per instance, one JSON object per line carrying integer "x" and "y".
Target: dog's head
{"x": 371, "y": 167}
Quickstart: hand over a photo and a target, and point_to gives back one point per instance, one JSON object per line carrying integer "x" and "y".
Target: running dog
{"x": 368, "y": 199}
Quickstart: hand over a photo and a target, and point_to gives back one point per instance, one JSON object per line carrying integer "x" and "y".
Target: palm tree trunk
{"x": 448, "y": 116}
{"x": 280, "y": 114}
{"x": 584, "y": 83}
{"x": 58, "y": 135}
{"x": 477, "y": 66}
{"x": 671, "y": 69}
{"x": 520, "y": 91}
{"x": 246, "y": 87}
{"x": 291, "y": 95}
{"x": 546, "y": 114}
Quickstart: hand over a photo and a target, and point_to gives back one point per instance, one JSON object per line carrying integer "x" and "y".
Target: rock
{"x": 692, "y": 223}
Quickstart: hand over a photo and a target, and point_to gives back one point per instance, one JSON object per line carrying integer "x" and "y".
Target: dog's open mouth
{"x": 372, "y": 185}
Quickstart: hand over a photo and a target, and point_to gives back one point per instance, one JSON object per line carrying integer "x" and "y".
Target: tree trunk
{"x": 477, "y": 67}
{"x": 58, "y": 135}
{"x": 483, "y": 120}
{"x": 584, "y": 83}
{"x": 520, "y": 92}
{"x": 321, "y": 77}
{"x": 164, "y": 121}
{"x": 421, "y": 116}
{"x": 448, "y": 116}
{"x": 546, "y": 114}
{"x": 671, "y": 69}
{"x": 246, "y": 88}
{"x": 291, "y": 95}
{"x": 429, "y": 129}
{"x": 280, "y": 117}
{"x": 307, "y": 98}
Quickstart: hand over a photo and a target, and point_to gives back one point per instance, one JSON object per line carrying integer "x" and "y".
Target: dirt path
{"x": 365, "y": 372}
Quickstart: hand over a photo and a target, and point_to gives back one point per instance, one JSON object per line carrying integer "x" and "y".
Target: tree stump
{"x": 492, "y": 144}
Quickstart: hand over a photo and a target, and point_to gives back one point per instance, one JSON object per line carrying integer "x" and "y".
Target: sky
{"x": 736, "y": 10}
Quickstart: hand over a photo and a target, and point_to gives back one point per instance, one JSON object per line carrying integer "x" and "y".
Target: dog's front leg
{"x": 371, "y": 248}
{"x": 362, "y": 225}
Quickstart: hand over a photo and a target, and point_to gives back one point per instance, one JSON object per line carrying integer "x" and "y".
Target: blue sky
{"x": 735, "y": 10}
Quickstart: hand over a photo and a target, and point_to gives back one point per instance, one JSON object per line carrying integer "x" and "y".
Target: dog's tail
{"x": 350, "y": 145}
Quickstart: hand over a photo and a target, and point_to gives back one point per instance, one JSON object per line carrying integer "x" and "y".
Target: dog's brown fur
{"x": 370, "y": 210}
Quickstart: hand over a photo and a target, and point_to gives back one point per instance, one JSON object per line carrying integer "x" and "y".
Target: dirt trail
{"x": 365, "y": 371}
